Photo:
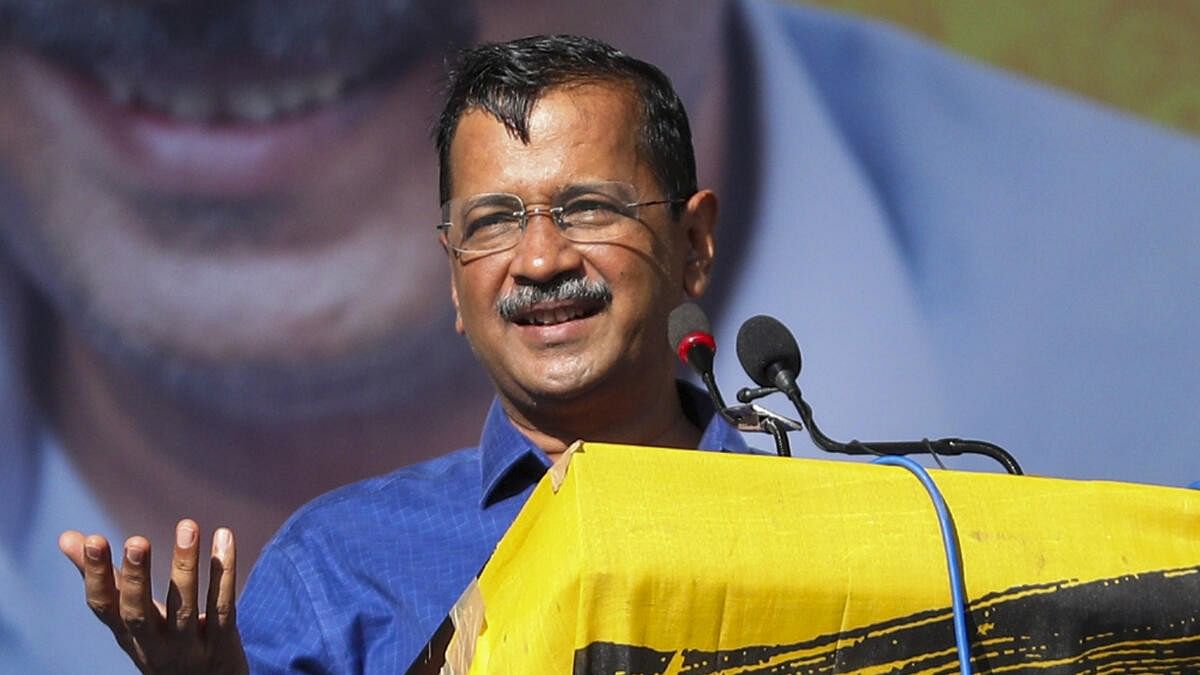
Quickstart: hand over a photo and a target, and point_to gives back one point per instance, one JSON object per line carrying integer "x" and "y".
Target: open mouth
{"x": 228, "y": 100}
{"x": 554, "y": 314}
{"x": 252, "y": 103}
{"x": 239, "y": 93}
{"x": 236, "y": 96}
{"x": 229, "y": 130}
{"x": 233, "y": 63}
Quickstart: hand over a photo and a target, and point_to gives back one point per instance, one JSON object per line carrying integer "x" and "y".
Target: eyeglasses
{"x": 586, "y": 214}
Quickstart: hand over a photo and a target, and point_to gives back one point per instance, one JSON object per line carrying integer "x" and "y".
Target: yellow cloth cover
{"x": 646, "y": 560}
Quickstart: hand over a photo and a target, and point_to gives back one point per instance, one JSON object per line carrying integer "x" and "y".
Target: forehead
{"x": 577, "y": 133}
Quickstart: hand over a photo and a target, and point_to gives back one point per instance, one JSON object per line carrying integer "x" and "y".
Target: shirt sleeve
{"x": 280, "y": 628}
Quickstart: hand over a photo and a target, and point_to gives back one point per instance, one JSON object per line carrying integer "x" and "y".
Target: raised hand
{"x": 174, "y": 638}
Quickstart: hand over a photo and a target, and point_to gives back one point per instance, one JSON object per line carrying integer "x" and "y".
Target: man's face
{"x": 564, "y": 349}
{"x": 222, "y": 194}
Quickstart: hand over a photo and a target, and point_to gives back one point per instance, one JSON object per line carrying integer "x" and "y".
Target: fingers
{"x": 71, "y": 544}
{"x": 123, "y": 599}
{"x": 137, "y": 608}
{"x": 182, "y": 607}
{"x": 94, "y": 560}
{"x": 221, "y": 624}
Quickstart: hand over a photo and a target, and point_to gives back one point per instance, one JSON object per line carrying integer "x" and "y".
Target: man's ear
{"x": 700, "y": 227}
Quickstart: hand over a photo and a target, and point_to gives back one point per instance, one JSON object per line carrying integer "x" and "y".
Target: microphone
{"x": 769, "y": 354}
{"x": 691, "y": 337}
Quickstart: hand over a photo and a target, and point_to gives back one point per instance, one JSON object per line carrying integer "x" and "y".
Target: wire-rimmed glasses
{"x": 585, "y": 213}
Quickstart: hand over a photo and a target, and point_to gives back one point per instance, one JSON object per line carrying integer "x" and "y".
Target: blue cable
{"x": 958, "y": 590}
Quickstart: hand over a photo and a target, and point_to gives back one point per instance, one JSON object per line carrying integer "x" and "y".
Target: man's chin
{"x": 550, "y": 387}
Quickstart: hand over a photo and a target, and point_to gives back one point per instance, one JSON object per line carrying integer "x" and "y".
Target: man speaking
{"x": 572, "y": 224}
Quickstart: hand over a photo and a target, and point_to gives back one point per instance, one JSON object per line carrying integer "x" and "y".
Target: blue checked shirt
{"x": 358, "y": 580}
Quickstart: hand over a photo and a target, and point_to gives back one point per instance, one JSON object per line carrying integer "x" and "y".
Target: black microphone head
{"x": 684, "y": 319}
{"x": 763, "y": 342}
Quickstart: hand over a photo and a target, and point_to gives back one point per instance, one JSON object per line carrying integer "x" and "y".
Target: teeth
{"x": 253, "y": 104}
{"x": 546, "y": 317}
{"x": 292, "y": 96}
{"x": 247, "y": 103}
{"x": 193, "y": 104}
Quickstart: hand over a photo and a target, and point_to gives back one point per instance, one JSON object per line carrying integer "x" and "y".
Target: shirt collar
{"x": 510, "y": 462}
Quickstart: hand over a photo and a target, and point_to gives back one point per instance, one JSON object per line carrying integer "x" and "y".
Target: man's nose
{"x": 543, "y": 252}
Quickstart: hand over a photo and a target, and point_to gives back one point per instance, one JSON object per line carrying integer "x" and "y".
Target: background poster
{"x": 221, "y": 293}
{"x": 1135, "y": 56}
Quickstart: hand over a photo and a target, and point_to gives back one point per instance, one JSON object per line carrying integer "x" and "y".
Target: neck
{"x": 152, "y": 459}
{"x": 651, "y": 416}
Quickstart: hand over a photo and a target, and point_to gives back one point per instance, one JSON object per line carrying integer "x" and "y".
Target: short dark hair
{"x": 506, "y": 79}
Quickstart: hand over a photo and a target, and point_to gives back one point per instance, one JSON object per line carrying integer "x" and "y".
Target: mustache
{"x": 522, "y": 298}
{"x": 185, "y": 37}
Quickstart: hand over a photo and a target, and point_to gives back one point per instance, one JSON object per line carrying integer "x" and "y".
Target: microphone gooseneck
{"x": 769, "y": 354}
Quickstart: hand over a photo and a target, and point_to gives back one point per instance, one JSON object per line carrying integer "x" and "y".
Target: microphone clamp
{"x": 752, "y": 417}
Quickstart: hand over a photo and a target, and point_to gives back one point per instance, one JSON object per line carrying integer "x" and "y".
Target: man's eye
{"x": 490, "y": 224}
{"x": 585, "y": 211}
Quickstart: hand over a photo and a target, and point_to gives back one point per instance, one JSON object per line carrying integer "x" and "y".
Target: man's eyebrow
{"x": 490, "y": 199}
{"x": 569, "y": 192}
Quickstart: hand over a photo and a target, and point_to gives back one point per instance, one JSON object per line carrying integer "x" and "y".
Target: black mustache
{"x": 521, "y": 298}
{"x": 188, "y": 37}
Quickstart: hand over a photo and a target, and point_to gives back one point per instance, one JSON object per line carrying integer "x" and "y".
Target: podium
{"x": 652, "y": 561}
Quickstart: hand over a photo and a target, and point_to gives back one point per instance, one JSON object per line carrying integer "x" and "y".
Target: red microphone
{"x": 691, "y": 338}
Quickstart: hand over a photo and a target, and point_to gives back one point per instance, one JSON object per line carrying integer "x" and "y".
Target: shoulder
{"x": 359, "y": 571}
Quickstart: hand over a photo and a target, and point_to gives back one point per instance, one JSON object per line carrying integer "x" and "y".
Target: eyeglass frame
{"x": 554, "y": 212}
